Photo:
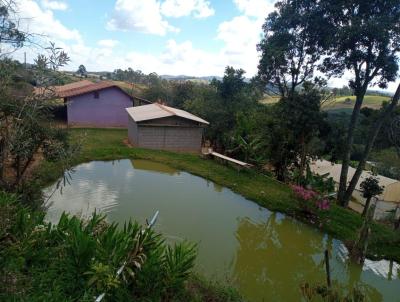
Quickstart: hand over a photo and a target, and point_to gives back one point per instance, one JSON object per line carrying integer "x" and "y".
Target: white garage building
{"x": 158, "y": 126}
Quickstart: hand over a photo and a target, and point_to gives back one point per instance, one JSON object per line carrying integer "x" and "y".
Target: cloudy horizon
{"x": 174, "y": 37}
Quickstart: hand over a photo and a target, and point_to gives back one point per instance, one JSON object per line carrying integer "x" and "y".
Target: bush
{"x": 78, "y": 260}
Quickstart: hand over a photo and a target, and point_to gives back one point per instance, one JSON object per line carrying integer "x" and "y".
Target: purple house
{"x": 97, "y": 105}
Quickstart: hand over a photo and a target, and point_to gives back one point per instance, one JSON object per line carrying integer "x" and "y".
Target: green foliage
{"x": 10, "y": 34}
{"x": 387, "y": 163}
{"x": 370, "y": 187}
{"x": 289, "y": 48}
{"x": 178, "y": 262}
{"x": 231, "y": 106}
{"x": 82, "y": 70}
{"x": 294, "y": 125}
{"x": 78, "y": 259}
{"x": 320, "y": 183}
{"x": 352, "y": 28}
{"x": 133, "y": 76}
{"x": 26, "y": 128}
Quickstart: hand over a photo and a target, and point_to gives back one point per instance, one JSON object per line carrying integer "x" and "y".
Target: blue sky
{"x": 175, "y": 37}
{"x": 192, "y": 37}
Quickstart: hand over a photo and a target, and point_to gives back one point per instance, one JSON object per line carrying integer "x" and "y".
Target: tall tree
{"x": 375, "y": 129}
{"x": 295, "y": 124}
{"x": 395, "y": 133}
{"x": 82, "y": 70}
{"x": 370, "y": 188}
{"x": 365, "y": 40}
{"x": 290, "y": 52}
{"x": 221, "y": 103}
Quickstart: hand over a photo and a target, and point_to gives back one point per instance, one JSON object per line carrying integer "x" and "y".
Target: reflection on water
{"x": 282, "y": 253}
{"x": 139, "y": 164}
{"x": 267, "y": 255}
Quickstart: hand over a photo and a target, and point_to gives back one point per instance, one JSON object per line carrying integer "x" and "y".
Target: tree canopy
{"x": 290, "y": 48}
{"x": 82, "y": 70}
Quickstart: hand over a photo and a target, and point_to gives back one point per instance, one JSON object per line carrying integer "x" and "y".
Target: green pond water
{"x": 266, "y": 255}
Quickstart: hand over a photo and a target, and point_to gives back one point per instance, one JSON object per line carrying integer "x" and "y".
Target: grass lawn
{"x": 107, "y": 144}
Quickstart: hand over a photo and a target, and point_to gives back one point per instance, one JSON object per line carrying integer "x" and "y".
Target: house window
{"x": 96, "y": 94}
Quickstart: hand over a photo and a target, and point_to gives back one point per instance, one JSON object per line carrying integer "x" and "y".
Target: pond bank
{"x": 343, "y": 224}
{"x": 265, "y": 255}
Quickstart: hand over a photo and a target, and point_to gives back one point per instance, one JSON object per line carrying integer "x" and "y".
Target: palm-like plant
{"x": 370, "y": 188}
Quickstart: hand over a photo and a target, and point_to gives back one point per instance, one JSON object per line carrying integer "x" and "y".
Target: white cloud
{"x": 349, "y": 75}
{"x": 42, "y": 22}
{"x": 242, "y": 33}
{"x": 107, "y": 43}
{"x": 139, "y": 15}
{"x": 175, "y": 58}
{"x": 240, "y": 36}
{"x": 180, "y": 8}
{"x": 54, "y": 5}
{"x": 255, "y": 8}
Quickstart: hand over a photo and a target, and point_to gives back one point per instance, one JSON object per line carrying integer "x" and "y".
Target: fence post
{"x": 327, "y": 268}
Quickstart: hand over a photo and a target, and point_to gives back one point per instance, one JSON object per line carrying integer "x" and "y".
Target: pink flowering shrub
{"x": 323, "y": 204}
{"x": 310, "y": 199}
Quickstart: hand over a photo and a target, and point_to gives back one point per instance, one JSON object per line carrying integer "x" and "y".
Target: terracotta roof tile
{"x": 81, "y": 87}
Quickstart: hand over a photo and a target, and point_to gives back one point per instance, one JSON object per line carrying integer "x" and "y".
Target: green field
{"x": 347, "y": 102}
{"x": 268, "y": 100}
{"x": 340, "y": 104}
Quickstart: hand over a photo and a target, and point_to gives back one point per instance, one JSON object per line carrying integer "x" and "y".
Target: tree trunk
{"x": 303, "y": 158}
{"x": 375, "y": 131}
{"x": 18, "y": 169}
{"x": 327, "y": 269}
{"x": 366, "y": 206}
{"x": 390, "y": 273}
{"x": 397, "y": 222}
{"x": 2, "y": 159}
{"x": 359, "y": 250}
{"x": 347, "y": 151}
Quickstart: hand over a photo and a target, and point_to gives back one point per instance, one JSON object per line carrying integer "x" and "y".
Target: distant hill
{"x": 206, "y": 79}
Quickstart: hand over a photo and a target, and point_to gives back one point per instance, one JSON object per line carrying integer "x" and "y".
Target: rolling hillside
{"x": 341, "y": 104}
{"x": 346, "y": 103}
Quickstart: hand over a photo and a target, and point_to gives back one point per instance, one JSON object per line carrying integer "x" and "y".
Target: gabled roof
{"x": 156, "y": 111}
{"x": 78, "y": 88}
{"x": 81, "y": 87}
{"x": 72, "y": 86}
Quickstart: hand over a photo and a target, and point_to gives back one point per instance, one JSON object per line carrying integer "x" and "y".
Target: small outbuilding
{"x": 100, "y": 104}
{"x": 387, "y": 201}
{"x": 157, "y": 126}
